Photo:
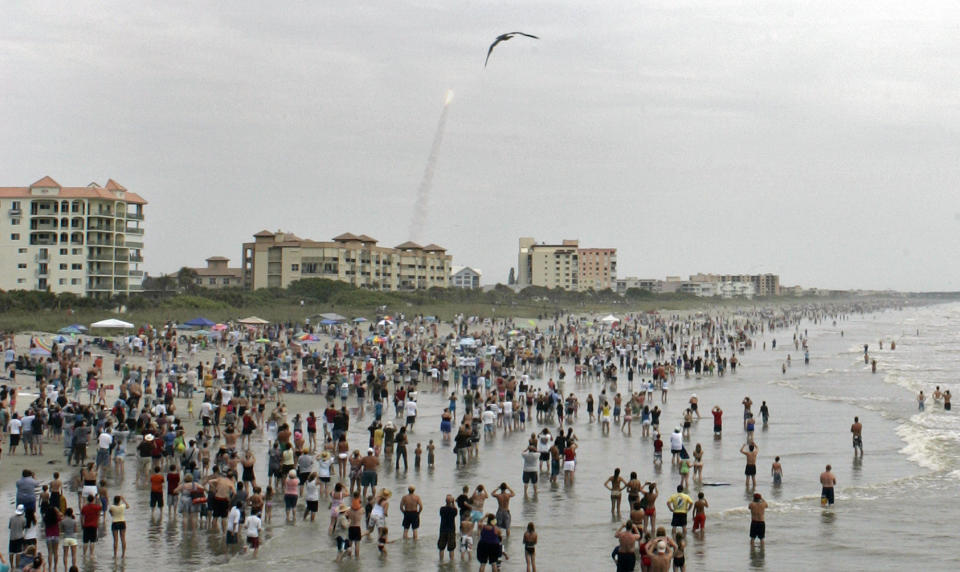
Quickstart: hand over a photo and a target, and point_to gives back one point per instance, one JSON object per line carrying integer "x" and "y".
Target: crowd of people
{"x": 199, "y": 463}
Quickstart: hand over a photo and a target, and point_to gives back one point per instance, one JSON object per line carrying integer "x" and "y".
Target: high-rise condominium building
{"x": 565, "y": 265}
{"x": 85, "y": 240}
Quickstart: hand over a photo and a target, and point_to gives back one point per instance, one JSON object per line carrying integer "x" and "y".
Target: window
{"x": 21, "y": 251}
{"x": 14, "y": 221}
{"x": 75, "y": 251}
{"x": 74, "y": 281}
{"x": 22, "y": 265}
{"x": 21, "y": 280}
{"x": 63, "y": 252}
{"x": 63, "y": 267}
{"x": 295, "y": 268}
{"x": 212, "y": 281}
{"x": 15, "y": 236}
{"x": 76, "y": 267}
{"x": 63, "y": 281}
{"x": 226, "y": 281}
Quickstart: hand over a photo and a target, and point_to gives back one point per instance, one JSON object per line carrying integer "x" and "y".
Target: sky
{"x": 817, "y": 140}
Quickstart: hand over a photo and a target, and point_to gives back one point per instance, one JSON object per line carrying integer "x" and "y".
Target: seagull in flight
{"x": 504, "y": 38}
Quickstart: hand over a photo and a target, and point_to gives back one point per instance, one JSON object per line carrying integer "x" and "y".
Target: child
{"x": 253, "y": 526}
{"x": 777, "y": 471}
{"x": 417, "y": 454}
{"x": 431, "y": 448}
{"x": 700, "y": 514}
{"x": 466, "y": 539}
{"x": 382, "y": 542}
{"x": 268, "y": 504}
{"x": 658, "y": 450}
{"x": 342, "y": 526}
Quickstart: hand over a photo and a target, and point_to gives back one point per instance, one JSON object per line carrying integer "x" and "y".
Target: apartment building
{"x": 763, "y": 284}
{"x": 85, "y": 240}
{"x": 565, "y": 265}
{"x": 275, "y": 259}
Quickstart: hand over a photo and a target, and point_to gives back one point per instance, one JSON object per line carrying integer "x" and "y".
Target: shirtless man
{"x": 223, "y": 488}
{"x": 661, "y": 551}
{"x": 368, "y": 474}
{"x": 857, "y": 429}
{"x": 411, "y": 506}
{"x": 827, "y": 481}
{"x": 503, "y": 506}
{"x": 747, "y": 414}
{"x": 751, "y": 469}
{"x": 628, "y": 535}
{"x": 758, "y": 527}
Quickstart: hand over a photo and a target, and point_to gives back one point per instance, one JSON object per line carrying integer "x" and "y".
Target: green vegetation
{"x": 180, "y": 299}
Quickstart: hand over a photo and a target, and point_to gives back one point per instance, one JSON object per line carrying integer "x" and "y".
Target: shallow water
{"x": 893, "y": 507}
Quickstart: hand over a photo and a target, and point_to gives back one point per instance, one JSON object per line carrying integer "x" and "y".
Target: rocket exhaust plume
{"x": 426, "y": 182}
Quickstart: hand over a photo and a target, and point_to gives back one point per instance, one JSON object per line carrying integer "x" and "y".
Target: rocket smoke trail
{"x": 423, "y": 192}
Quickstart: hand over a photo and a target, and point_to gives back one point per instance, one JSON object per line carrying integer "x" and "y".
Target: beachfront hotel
{"x": 275, "y": 259}
{"x": 565, "y": 266}
{"x": 84, "y": 240}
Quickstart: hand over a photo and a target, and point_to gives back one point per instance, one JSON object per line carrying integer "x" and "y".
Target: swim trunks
{"x": 758, "y": 529}
{"x": 750, "y": 470}
{"x": 411, "y": 519}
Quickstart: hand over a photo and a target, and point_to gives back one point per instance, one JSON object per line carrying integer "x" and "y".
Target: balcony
{"x": 16, "y": 211}
{"x": 134, "y": 231}
{"x": 102, "y": 257}
{"x": 134, "y": 216}
{"x": 135, "y": 258}
{"x": 133, "y": 244}
{"x": 99, "y": 271}
{"x": 102, "y": 214}
{"x": 135, "y": 273}
{"x": 100, "y": 227}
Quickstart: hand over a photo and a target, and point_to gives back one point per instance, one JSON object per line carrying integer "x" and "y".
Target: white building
{"x": 465, "y": 277}
{"x": 85, "y": 240}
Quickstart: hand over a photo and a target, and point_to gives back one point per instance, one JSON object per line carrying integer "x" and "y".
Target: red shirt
{"x": 156, "y": 483}
{"x": 717, "y": 416}
{"x": 173, "y": 481}
{"x": 91, "y": 515}
{"x": 658, "y": 446}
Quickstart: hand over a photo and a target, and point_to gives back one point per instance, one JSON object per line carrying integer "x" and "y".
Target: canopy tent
{"x": 332, "y": 316}
{"x": 200, "y": 322}
{"x": 328, "y": 322}
{"x": 468, "y": 342}
{"x": 609, "y": 319}
{"x": 385, "y": 322}
{"x": 71, "y": 330}
{"x": 359, "y": 319}
{"x": 253, "y": 321}
{"x": 80, "y": 327}
{"x": 111, "y": 323}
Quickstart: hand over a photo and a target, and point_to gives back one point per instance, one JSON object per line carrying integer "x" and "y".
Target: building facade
{"x": 763, "y": 284}
{"x": 275, "y": 259}
{"x": 84, "y": 240}
{"x": 218, "y": 274}
{"x": 565, "y": 265}
{"x": 648, "y": 284}
{"x": 465, "y": 277}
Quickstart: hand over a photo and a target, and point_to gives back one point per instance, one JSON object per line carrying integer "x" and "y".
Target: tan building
{"x": 763, "y": 284}
{"x": 218, "y": 274}
{"x": 275, "y": 259}
{"x": 562, "y": 265}
{"x": 85, "y": 240}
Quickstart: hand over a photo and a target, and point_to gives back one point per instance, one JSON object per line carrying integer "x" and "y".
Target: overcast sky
{"x": 819, "y": 140}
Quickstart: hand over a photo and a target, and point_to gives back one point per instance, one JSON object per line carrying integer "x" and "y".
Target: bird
{"x": 504, "y": 38}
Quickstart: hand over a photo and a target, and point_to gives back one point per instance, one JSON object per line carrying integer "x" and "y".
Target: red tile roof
{"x": 46, "y": 182}
{"x": 345, "y": 237}
{"x": 88, "y": 192}
{"x": 408, "y": 245}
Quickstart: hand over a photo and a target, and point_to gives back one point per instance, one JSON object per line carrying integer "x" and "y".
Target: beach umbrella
{"x": 199, "y": 322}
{"x": 219, "y": 327}
{"x": 532, "y": 323}
{"x": 513, "y": 332}
{"x": 359, "y": 319}
{"x": 253, "y": 321}
{"x": 262, "y": 341}
{"x": 332, "y": 316}
{"x": 112, "y": 323}
{"x": 71, "y": 330}
{"x": 61, "y": 339}
{"x": 79, "y": 327}
{"x": 385, "y": 322}
{"x": 609, "y": 319}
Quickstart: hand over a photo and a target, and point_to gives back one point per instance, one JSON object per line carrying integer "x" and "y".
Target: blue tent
{"x": 328, "y": 322}
{"x": 200, "y": 322}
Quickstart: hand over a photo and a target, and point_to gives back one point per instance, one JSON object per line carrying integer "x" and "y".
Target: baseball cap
{"x": 20, "y": 509}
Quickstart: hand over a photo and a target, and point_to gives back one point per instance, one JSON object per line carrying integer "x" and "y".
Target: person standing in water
{"x": 828, "y": 481}
{"x": 751, "y": 468}
{"x": 758, "y": 527}
{"x": 856, "y": 429}
{"x": 921, "y": 401}
{"x": 615, "y": 485}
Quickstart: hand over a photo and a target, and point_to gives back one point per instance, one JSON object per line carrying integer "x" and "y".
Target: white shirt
{"x": 676, "y": 441}
{"x": 225, "y": 396}
{"x": 488, "y": 417}
{"x": 105, "y": 440}
{"x": 311, "y": 492}
{"x": 253, "y": 525}
{"x": 411, "y": 408}
{"x": 233, "y": 520}
{"x": 14, "y": 426}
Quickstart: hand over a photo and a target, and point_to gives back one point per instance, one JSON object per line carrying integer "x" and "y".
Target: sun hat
{"x": 342, "y": 508}
{"x": 370, "y": 451}
{"x": 148, "y": 437}
{"x": 661, "y": 546}
{"x": 20, "y": 509}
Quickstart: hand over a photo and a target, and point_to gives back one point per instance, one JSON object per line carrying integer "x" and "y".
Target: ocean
{"x": 894, "y": 506}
